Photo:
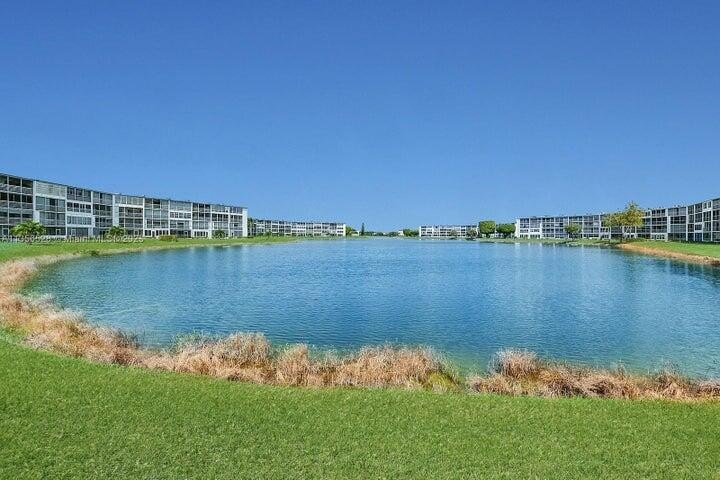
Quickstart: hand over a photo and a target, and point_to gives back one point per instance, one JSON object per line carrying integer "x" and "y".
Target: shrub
{"x": 168, "y": 238}
{"x": 115, "y": 232}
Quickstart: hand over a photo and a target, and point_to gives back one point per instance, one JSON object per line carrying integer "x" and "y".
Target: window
{"x": 79, "y": 207}
{"x": 49, "y": 204}
{"x": 75, "y": 220}
{"x": 79, "y": 194}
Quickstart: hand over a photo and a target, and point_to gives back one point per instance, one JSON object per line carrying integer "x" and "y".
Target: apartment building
{"x": 698, "y": 222}
{"x": 259, "y": 227}
{"x": 445, "y": 231}
{"x": 69, "y": 211}
{"x": 554, "y": 226}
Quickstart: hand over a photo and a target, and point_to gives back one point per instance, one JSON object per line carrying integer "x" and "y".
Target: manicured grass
{"x": 10, "y": 251}
{"x": 66, "y": 418}
{"x": 704, "y": 249}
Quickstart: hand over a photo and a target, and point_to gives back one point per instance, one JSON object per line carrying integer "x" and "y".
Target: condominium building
{"x": 554, "y": 226}
{"x": 445, "y": 231}
{"x": 698, "y": 222}
{"x": 68, "y": 211}
{"x": 259, "y": 227}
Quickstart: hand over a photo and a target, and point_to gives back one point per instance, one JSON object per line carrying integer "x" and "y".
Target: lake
{"x": 466, "y": 299}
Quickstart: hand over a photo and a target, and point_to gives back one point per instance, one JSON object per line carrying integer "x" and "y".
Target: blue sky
{"x": 388, "y": 113}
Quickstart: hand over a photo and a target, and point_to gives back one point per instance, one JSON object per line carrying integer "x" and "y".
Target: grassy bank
{"x": 701, "y": 252}
{"x": 12, "y": 251}
{"x": 704, "y": 252}
{"x": 63, "y": 417}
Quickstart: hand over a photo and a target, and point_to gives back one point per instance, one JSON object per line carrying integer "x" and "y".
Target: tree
{"x": 631, "y": 217}
{"x": 28, "y": 230}
{"x": 611, "y": 220}
{"x": 471, "y": 233}
{"x": 486, "y": 227}
{"x": 219, "y": 234}
{"x": 349, "y": 230}
{"x": 506, "y": 229}
{"x": 409, "y": 232}
{"x": 362, "y": 229}
{"x": 115, "y": 232}
{"x": 572, "y": 229}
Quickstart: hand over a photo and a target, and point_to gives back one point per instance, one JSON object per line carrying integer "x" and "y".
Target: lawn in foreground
{"x": 63, "y": 417}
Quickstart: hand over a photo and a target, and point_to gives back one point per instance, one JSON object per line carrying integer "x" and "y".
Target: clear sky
{"x": 389, "y": 113}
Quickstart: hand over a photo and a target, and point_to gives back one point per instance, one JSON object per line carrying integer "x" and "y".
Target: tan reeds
{"x": 518, "y": 372}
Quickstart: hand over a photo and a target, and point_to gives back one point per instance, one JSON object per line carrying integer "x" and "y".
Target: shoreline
{"x": 249, "y": 357}
{"x": 639, "y": 248}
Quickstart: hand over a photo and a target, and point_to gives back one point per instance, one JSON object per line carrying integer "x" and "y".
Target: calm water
{"x": 467, "y": 299}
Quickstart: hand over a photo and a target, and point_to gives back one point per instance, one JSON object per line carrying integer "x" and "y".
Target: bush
{"x": 115, "y": 232}
{"x": 168, "y": 238}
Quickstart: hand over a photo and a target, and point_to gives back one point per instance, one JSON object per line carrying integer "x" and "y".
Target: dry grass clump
{"x": 294, "y": 367}
{"x": 518, "y": 372}
{"x": 233, "y": 357}
{"x": 610, "y": 385}
{"x": 709, "y": 388}
{"x": 249, "y": 357}
{"x": 14, "y": 274}
{"x": 66, "y": 332}
{"x": 514, "y": 363}
{"x": 389, "y": 366}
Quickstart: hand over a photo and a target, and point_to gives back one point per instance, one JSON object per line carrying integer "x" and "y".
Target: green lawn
{"x": 10, "y": 251}
{"x": 67, "y": 418}
{"x": 705, "y": 249}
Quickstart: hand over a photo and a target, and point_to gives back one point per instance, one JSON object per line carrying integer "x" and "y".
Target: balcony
{"x": 16, "y": 205}
{"x": 16, "y": 189}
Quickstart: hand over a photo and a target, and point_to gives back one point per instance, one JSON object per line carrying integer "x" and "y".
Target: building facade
{"x": 698, "y": 222}
{"x": 445, "y": 231}
{"x": 260, "y": 227}
{"x": 68, "y": 211}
